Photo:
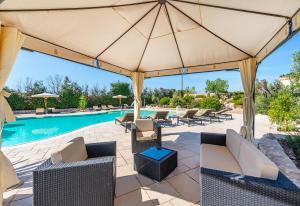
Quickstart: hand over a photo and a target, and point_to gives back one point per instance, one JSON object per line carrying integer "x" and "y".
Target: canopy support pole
{"x": 137, "y": 83}
{"x": 248, "y": 69}
{"x": 11, "y": 41}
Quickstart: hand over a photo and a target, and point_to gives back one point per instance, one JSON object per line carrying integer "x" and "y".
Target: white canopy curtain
{"x": 248, "y": 76}
{"x": 10, "y": 43}
{"x": 137, "y": 83}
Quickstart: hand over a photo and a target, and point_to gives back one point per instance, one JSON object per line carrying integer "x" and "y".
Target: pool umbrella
{"x": 45, "y": 96}
{"x": 120, "y": 97}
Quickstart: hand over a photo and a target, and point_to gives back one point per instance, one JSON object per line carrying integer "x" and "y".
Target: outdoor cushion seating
{"x": 241, "y": 174}
{"x": 72, "y": 151}
{"x": 145, "y": 133}
{"x": 85, "y": 175}
{"x": 39, "y": 111}
{"x": 148, "y": 135}
{"x": 126, "y": 120}
{"x": 218, "y": 158}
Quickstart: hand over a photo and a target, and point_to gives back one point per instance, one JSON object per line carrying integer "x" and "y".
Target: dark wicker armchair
{"x": 144, "y": 134}
{"x": 90, "y": 182}
{"x": 231, "y": 189}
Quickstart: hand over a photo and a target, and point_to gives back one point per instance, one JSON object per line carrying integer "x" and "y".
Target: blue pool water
{"x": 26, "y": 130}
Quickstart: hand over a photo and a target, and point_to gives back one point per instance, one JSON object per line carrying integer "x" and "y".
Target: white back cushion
{"x": 254, "y": 163}
{"x": 218, "y": 158}
{"x": 233, "y": 142}
{"x": 73, "y": 151}
{"x": 143, "y": 125}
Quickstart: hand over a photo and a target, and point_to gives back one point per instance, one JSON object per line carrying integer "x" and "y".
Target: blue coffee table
{"x": 155, "y": 162}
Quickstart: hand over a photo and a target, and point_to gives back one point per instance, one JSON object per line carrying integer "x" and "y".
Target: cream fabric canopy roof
{"x": 155, "y": 37}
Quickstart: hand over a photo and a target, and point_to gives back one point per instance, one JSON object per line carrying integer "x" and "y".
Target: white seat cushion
{"x": 254, "y": 163}
{"x": 149, "y": 135}
{"x": 72, "y": 151}
{"x": 233, "y": 142}
{"x": 218, "y": 158}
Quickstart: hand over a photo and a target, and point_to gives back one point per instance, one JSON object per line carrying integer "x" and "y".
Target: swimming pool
{"x": 25, "y": 130}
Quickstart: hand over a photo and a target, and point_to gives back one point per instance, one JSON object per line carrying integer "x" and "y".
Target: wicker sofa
{"x": 63, "y": 181}
{"x": 145, "y": 133}
{"x": 234, "y": 172}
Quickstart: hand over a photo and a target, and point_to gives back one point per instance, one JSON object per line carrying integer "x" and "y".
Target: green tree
{"x": 34, "y": 87}
{"x": 82, "y": 102}
{"x": 16, "y": 100}
{"x": 262, "y": 87}
{"x": 217, "y": 86}
{"x": 70, "y": 94}
{"x": 177, "y": 101}
{"x": 283, "y": 110}
{"x": 210, "y": 103}
{"x": 295, "y": 73}
{"x": 122, "y": 88}
{"x": 262, "y": 104}
{"x": 164, "y": 101}
{"x": 188, "y": 99}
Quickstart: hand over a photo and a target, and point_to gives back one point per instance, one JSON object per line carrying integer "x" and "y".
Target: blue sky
{"x": 39, "y": 66}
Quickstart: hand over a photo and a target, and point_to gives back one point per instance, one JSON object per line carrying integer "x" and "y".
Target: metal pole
{"x": 183, "y": 71}
{"x": 182, "y": 85}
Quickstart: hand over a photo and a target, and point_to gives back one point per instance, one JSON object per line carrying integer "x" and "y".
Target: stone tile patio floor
{"x": 181, "y": 187}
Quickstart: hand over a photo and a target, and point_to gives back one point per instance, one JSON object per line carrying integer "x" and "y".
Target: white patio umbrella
{"x": 120, "y": 97}
{"x": 45, "y": 96}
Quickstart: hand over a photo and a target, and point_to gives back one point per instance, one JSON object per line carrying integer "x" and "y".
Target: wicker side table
{"x": 155, "y": 162}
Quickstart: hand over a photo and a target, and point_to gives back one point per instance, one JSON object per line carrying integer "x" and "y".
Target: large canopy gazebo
{"x": 150, "y": 38}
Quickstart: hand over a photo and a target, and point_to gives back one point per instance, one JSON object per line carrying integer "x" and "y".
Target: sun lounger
{"x": 221, "y": 114}
{"x": 206, "y": 115}
{"x": 96, "y": 108}
{"x": 126, "y": 120}
{"x": 189, "y": 116}
{"x": 161, "y": 117}
{"x": 53, "y": 110}
{"x": 112, "y": 107}
{"x": 104, "y": 107}
{"x": 39, "y": 111}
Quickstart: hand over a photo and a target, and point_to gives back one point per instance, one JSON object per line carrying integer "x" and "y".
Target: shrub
{"x": 238, "y": 98}
{"x": 294, "y": 143}
{"x": 188, "y": 100}
{"x": 164, "y": 101}
{"x": 82, "y": 102}
{"x": 16, "y": 101}
{"x": 283, "y": 110}
{"x": 210, "y": 103}
{"x": 177, "y": 101}
{"x": 200, "y": 96}
{"x": 262, "y": 104}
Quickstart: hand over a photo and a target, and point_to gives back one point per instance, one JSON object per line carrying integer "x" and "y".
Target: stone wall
{"x": 269, "y": 145}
